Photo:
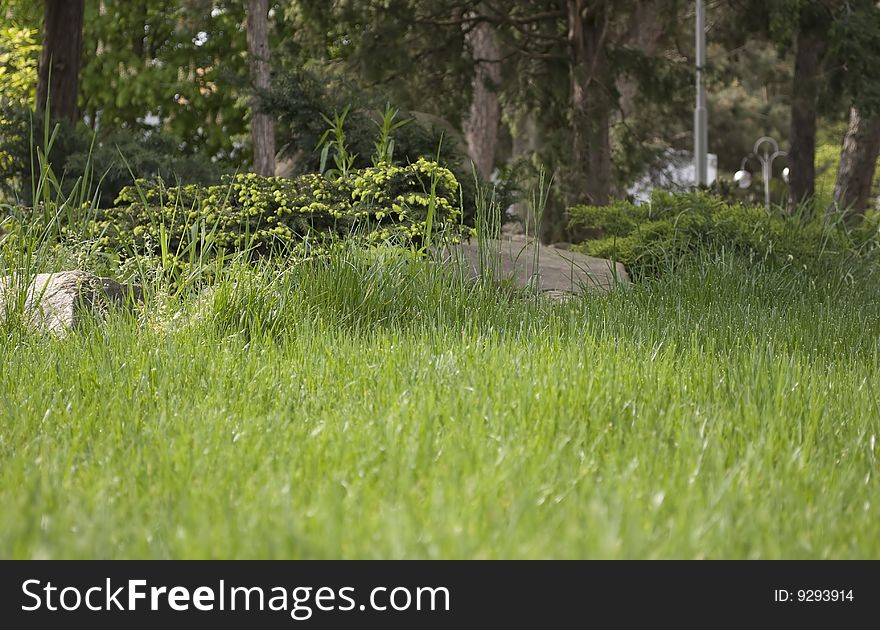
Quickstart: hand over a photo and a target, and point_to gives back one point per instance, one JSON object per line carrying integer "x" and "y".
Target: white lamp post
{"x": 766, "y": 151}
{"x": 701, "y": 114}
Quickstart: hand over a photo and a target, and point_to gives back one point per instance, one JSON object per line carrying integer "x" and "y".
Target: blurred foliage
{"x": 748, "y": 92}
{"x": 854, "y": 50}
{"x": 652, "y": 238}
{"x": 395, "y": 45}
{"x": 165, "y": 84}
{"x": 299, "y": 100}
{"x": 19, "y": 56}
{"x": 19, "y": 53}
{"x": 110, "y": 160}
{"x": 14, "y": 151}
{"x": 828, "y": 161}
{"x": 180, "y": 65}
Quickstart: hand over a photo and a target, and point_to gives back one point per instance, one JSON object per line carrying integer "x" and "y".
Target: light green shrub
{"x": 182, "y": 227}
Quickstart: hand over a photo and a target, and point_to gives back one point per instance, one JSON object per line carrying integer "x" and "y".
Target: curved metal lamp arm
{"x": 764, "y": 139}
{"x": 778, "y": 154}
{"x": 742, "y": 165}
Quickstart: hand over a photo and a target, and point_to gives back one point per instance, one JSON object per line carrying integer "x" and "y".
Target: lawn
{"x": 384, "y": 409}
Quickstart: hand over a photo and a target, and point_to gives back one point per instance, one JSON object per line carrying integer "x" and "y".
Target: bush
{"x": 651, "y": 238}
{"x": 148, "y": 155}
{"x": 14, "y": 150}
{"x": 107, "y": 161}
{"x": 298, "y": 100}
{"x": 271, "y": 216}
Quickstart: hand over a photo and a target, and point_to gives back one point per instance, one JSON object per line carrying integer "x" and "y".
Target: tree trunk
{"x": 858, "y": 161}
{"x": 481, "y": 125}
{"x": 262, "y": 124}
{"x": 590, "y": 102}
{"x": 58, "y": 81}
{"x": 805, "y": 97}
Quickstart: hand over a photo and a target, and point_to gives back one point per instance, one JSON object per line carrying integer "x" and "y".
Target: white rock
{"x": 58, "y": 302}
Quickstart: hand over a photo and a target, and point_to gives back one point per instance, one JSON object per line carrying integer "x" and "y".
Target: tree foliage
{"x": 181, "y": 65}
{"x": 597, "y": 91}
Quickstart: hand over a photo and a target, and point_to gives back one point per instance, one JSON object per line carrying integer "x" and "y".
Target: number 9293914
{"x": 814, "y": 595}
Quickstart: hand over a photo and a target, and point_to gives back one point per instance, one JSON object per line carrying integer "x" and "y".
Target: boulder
{"x": 555, "y": 271}
{"x": 58, "y": 302}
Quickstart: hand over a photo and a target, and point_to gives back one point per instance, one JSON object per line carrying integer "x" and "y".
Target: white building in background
{"x": 676, "y": 173}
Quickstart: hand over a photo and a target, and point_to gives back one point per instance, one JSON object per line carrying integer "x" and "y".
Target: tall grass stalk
{"x": 539, "y": 195}
{"x": 334, "y": 139}
{"x": 28, "y": 246}
{"x": 487, "y": 219}
{"x": 383, "y": 147}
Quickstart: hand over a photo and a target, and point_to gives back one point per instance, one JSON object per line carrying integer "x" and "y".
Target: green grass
{"x": 379, "y": 408}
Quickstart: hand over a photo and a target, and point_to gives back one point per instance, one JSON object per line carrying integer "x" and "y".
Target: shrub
{"x": 299, "y": 101}
{"x": 147, "y": 154}
{"x": 19, "y": 52}
{"x": 650, "y": 238}
{"x": 107, "y": 161}
{"x": 14, "y": 150}
{"x": 271, "y": 216}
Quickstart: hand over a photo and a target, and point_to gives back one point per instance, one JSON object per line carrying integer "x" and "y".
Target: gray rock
{"x": 58, "y": 302}
{"x": 557, "y": 271}
{"x": 512, "y": 228}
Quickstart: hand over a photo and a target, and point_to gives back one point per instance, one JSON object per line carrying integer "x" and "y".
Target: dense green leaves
{"x": 855, "y": 50}
{"x": 177, "y": 71}
{"x": 181, "y": 64}
{"x": 652, "y": 238}
{"x": 19, "y": 51}
{"x": 300, "y": 217}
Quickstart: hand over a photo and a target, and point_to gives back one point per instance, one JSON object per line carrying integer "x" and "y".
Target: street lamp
{"x": 701, "y": 116}
{"x": 766, "y": 151}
